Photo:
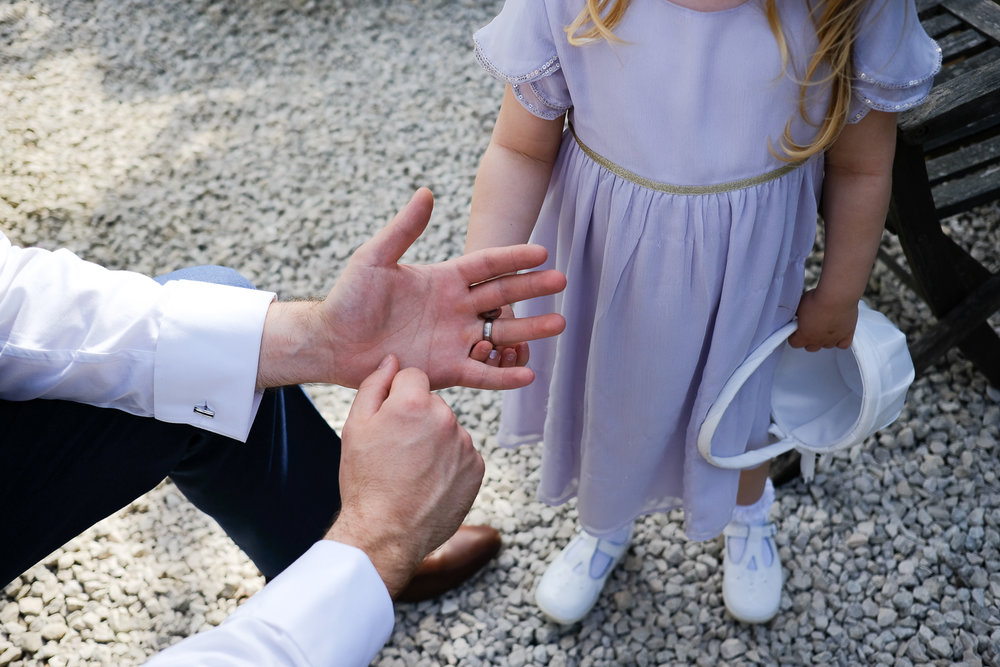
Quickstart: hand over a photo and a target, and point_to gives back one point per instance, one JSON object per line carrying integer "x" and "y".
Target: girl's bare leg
{"x": 752, "y": 484}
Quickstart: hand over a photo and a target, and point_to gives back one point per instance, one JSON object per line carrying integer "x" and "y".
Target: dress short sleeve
{"x": 518, "y": 47}
{"x": 894, "y": 59}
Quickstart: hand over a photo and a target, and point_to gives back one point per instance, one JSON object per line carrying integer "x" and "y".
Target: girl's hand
{"x": 502, "y": 357}
{"x": 824, "y": 323}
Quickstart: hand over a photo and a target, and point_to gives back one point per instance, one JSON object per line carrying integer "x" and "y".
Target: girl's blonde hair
{"x": 836, "y": 24}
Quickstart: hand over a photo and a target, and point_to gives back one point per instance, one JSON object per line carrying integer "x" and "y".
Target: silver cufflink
{"x": 204, "y": 410}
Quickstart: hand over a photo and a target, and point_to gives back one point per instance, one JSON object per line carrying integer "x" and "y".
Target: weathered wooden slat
{"x": 964, "y": 193}
{"x": 941, "y": 24}
{"x": 984, "y": 15}
{"x": 974, "y": 94}
{"x": 967, "y": 64}
{"x": 955, "y": 44}
{"x": 947, "y": 139}
{"x": 925, "y": 6}
{"x": 960, "y": 162}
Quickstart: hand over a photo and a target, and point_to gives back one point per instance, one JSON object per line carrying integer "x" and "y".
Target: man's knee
{"x": 220, "y": 275}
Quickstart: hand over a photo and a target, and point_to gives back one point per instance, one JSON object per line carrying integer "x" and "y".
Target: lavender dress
{"x": 670, "y": 286}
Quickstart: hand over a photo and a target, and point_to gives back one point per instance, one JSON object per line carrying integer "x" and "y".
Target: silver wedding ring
{"x": 488, "y": 331}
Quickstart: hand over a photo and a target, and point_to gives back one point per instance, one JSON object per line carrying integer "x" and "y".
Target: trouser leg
{"x": 68, "y": 465}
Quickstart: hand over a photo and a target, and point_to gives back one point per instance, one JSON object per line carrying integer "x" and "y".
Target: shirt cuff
{"x": 205, "y": 373}
{"x": 330, "y": 602}
{"x": 329, "y": 607}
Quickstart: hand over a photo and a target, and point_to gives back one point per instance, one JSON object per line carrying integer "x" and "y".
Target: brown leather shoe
{"x": 452, "y": 563}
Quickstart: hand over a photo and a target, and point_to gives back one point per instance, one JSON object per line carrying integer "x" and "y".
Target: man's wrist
{"x": 289, "y": 353}
{"x": 395, "y": 559}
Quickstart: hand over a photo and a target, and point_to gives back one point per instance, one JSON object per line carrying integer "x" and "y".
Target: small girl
{"x": 681, "y": 201}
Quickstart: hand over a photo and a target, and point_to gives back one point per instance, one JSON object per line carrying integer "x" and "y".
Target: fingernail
{"x": 385, "y": 362}
{"x": 510, "y": 357}
{"x": 494, "y": 354}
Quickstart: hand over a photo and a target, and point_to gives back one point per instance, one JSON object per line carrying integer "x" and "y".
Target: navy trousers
{"x": 66, "y": 466}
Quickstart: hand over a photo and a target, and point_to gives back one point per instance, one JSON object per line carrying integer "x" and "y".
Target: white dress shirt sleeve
{"x": 327, "y": 608}
{"x": 183, "y": 352}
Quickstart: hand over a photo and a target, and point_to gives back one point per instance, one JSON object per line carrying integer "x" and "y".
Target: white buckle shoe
{"x": 751, "y": 576}
{"x": 573, "y": 581}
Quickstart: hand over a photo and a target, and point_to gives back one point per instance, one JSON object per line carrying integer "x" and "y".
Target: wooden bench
{"x": 947, "y": 161}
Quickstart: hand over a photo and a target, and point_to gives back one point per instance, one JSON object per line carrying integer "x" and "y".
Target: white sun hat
{"x": 822, "y": 401}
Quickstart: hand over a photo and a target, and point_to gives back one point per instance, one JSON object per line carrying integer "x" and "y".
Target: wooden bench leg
{"x": 944, "y": 273}
{"x": 952, "y": 330}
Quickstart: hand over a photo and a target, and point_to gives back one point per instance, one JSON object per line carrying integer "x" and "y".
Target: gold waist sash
{"x": 683, "y": 189}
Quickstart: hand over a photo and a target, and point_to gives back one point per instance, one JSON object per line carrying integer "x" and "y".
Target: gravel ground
{"x": 274, "y": 136}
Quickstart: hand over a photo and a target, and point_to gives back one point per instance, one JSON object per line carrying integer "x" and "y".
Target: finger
{"x": 493, "y": 356}
{"x": 490, "y": 263}
{"x": 523, "y": 354}
{"x": 509, "y": 331}
{"x": 508, "y": 357}
{"x": 511, "y": 289}
{"x": 375, "y": 388}
{"x": 505, "y": 357}
{"x": 482, "y": 376}
{"x": 390, "y": 242}
{"x": 411, "y": 380}
{"x": 481, "y": 351}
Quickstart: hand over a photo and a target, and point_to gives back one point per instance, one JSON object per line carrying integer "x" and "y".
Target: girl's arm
{"x": 856, "y": 192}
{"x": 510, "y": 187}
{"x": 513, "y": 176}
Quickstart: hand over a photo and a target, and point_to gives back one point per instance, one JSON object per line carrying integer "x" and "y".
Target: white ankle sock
{"x": 753, "y": 515}
{"x": 756, "y": 514}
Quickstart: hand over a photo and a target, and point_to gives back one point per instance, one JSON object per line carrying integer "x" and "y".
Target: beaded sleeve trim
{"x": 875, "y": 82}
{"x": 549, "y": 67}
{"x": 551, "y": 112}
{"x": 878, "y": 106}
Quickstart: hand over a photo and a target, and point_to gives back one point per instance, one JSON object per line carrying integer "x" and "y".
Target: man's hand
{"x": 427, "y": 315}
{"x": 408, "y": 473}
